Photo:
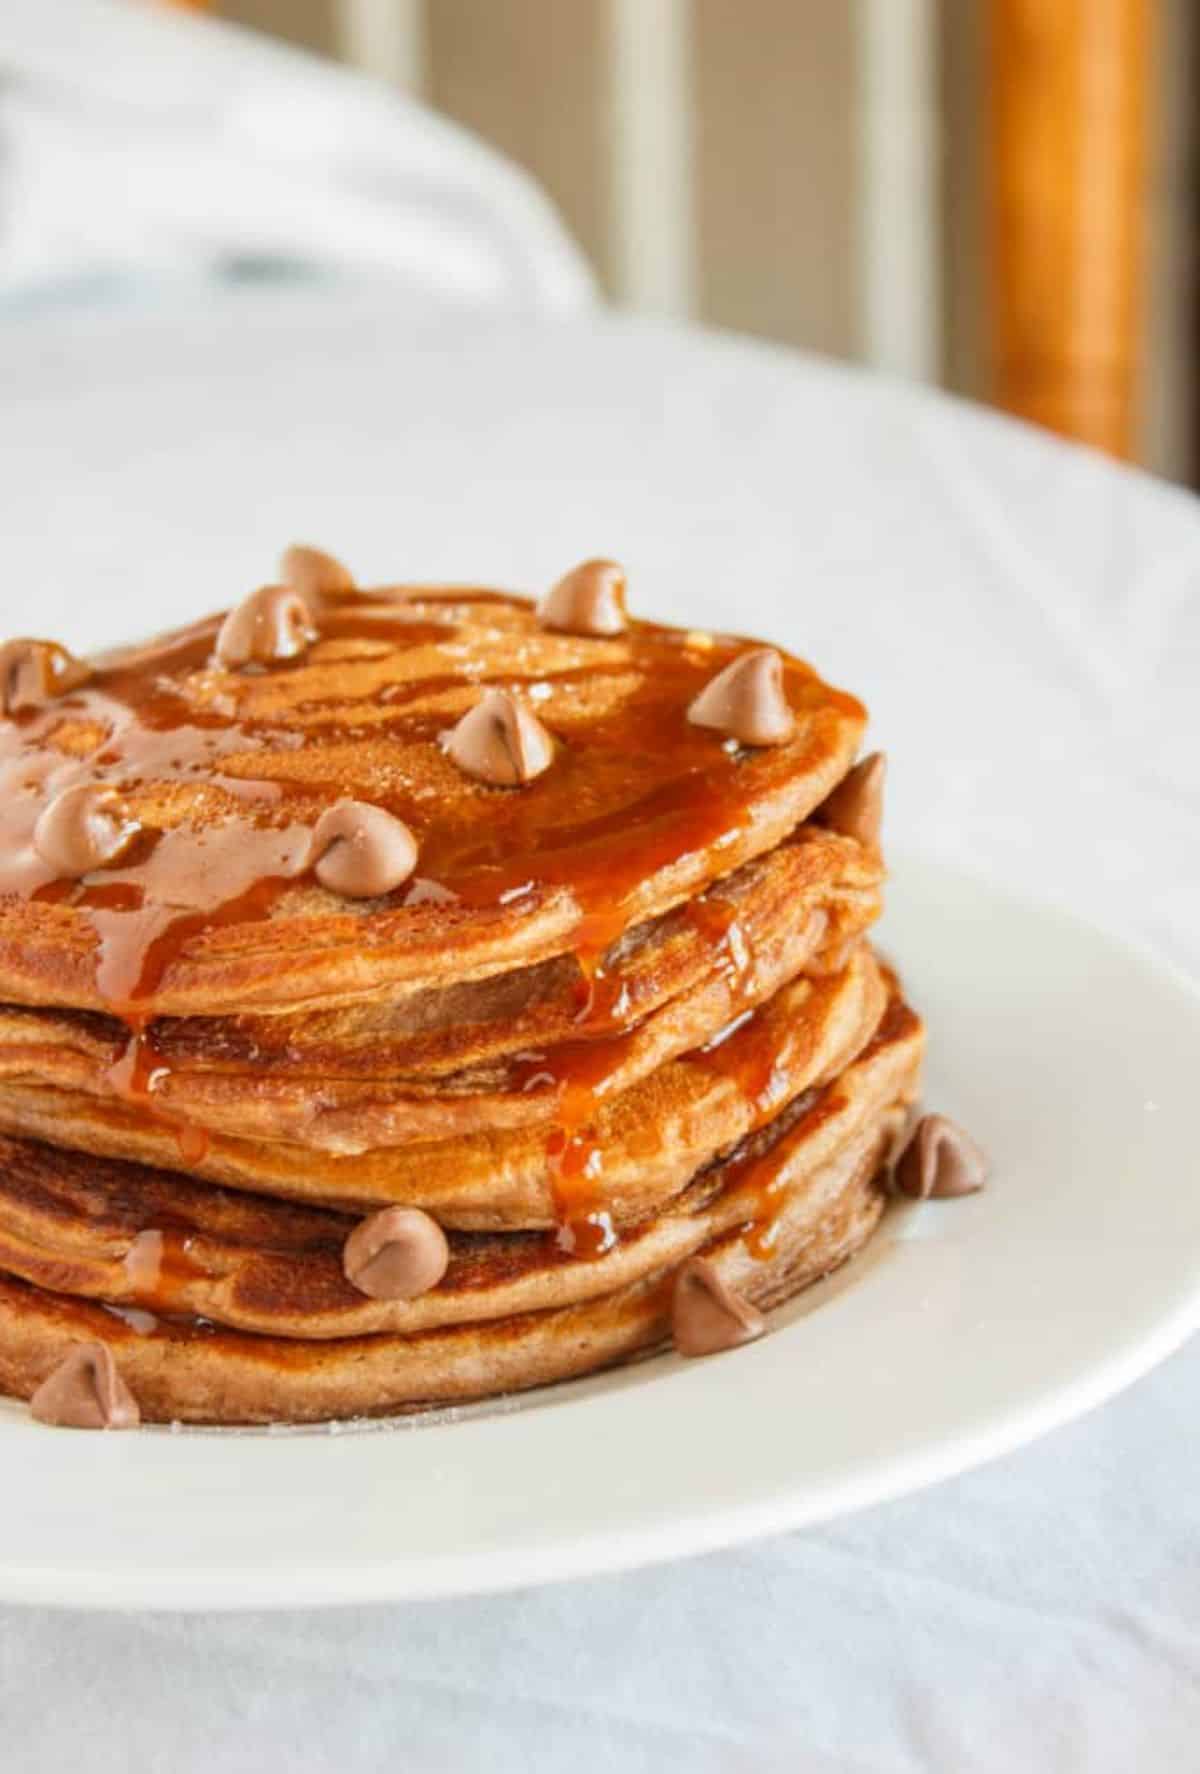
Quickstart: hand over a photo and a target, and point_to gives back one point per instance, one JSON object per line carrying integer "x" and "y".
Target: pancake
{"x": 193, "y": 1372}
{"x": 287, "y": 1085}
{"x": 816, "y": 884}
{"x": 224, "y": 772}
{"x": 155, "y": 1240}
{"x": 648, "y": 1139}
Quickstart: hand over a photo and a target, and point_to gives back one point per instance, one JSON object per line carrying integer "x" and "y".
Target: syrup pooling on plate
{"x": 226, "y": 772}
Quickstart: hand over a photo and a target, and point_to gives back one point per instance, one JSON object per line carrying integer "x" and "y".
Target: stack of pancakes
{"x": 413, "y": 995}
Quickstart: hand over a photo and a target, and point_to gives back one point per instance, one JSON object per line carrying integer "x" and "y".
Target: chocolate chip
{"x": 940, "y": 1161}
{"x": 707, "y": 1316}
{"x": 588, "y": 600}
{"x": 500, "y": 741}
{"x": 360, "y": 850}
{"x": 396, "y": 1254}
{"x": 746, "y": 700}
{"x": 271, "y": 625}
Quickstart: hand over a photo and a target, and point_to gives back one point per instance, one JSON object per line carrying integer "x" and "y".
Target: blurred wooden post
{"x": 1068, "y": 105}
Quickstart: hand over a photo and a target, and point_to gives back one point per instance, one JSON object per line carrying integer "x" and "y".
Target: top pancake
{"x": 214, "y": 911}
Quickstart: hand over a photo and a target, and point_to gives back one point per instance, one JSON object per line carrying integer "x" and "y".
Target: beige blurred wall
{"x": 776, "y": 144}
{"x": 529, "y": 77}
{"x": 311, "y": 23}
{"x": 765, "y": 124}
{"x": 806, "y": 171}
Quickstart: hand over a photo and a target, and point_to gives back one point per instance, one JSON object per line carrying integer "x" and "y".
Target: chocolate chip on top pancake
{"x": 535, "y": 935}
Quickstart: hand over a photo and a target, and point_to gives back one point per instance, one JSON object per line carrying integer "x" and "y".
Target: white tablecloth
{"x": 1024, "y": 620}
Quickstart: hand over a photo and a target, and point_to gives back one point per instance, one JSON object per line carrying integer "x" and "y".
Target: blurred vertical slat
{"x": 1068, "y": 89}
{"x": 385, "y": 38}
{"x": 899, "y": 205}
{"x": 649, "y": 104}
{"x": 776, "y": 169}
{"x": 964, "y": 91}
{"x": 593, "y": 98}
{"x": 1170, "y": 418}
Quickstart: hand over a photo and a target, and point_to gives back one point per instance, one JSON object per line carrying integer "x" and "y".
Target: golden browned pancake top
{"x": 226, "y": 771}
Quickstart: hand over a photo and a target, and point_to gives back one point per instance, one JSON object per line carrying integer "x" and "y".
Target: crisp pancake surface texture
{"x": 779, "y": 1213}
{"x": 351, "y": 1079}
{"x": 157, "y": 1241}
{"x": 618, "y": 1014}
{"x": 645, "y": 1143}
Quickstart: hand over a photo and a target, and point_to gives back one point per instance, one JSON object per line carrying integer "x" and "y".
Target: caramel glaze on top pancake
{"x": 213, "y": 908}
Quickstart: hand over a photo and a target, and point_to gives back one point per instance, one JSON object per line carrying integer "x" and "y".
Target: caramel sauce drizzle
{"x": 158, "y": 1266}
{"x": 746, "y": 1052}
{"x": 761, "y": 1177}
{"x": 583, "y": 1073}
{"x": 630, "y": 792}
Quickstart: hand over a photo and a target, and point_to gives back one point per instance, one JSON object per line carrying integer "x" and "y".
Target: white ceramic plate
{"x": 965, "y": 1329}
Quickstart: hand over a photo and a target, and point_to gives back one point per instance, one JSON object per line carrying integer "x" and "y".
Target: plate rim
{"x": 606, "y": 1550}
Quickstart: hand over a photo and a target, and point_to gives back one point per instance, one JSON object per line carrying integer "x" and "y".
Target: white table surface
{"x": 1024, "y": 620}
